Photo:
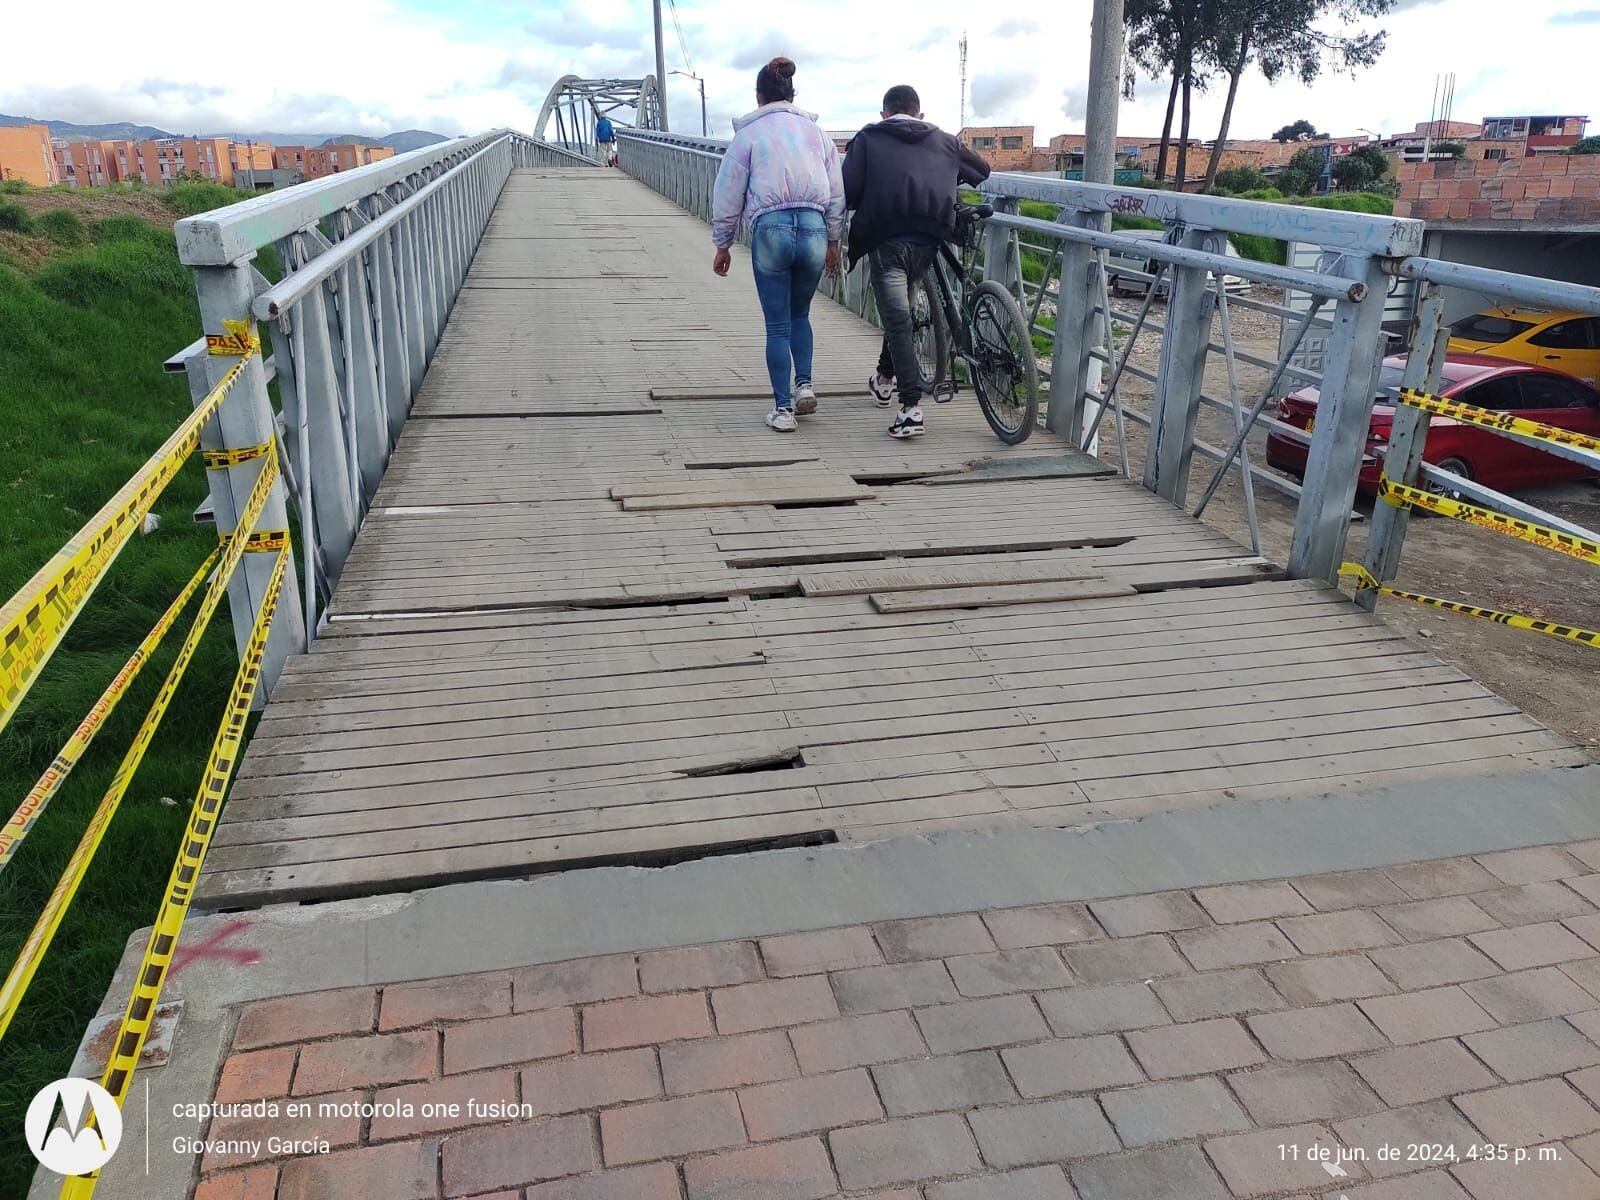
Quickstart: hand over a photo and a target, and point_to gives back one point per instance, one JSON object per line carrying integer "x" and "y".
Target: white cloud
{"x": 369, "y": 66}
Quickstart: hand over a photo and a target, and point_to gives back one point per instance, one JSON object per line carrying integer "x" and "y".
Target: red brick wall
{"x": 1559, "y": 187}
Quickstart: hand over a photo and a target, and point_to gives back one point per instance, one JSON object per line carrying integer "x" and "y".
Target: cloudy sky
{"x": 372, "y": 66}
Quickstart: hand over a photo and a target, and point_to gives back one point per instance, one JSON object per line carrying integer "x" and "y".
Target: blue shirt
{"x": 603, "y": 131}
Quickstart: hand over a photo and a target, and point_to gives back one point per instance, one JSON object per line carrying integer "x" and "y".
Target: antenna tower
{"x": 963, "y": 79}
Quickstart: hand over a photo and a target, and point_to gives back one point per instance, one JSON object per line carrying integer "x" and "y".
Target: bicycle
{"x": 992, "y": 338}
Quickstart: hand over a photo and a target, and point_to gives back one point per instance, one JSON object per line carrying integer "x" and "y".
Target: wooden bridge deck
{"x": 601, "y": 613}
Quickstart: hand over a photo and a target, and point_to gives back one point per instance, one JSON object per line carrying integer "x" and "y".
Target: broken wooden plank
{"x": 916, "y": 578}
{"x": 750, "y": 494}
{"x": 993, "y": 597}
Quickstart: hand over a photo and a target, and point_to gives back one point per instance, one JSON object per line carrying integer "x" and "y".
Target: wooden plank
{"x": 733, "y": 497}
{"x": 897, "y": 579}
{"x": 934, "y": 599}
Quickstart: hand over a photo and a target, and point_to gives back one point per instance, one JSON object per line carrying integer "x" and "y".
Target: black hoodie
{"x": 900, "y": 177}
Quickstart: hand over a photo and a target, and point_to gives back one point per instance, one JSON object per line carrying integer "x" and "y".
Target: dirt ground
{"x": 1555, "y": 681}
{"x": 95, "y": 204}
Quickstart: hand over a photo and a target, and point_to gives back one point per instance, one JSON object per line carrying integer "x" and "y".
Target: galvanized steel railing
{"x": 373, "y": 260}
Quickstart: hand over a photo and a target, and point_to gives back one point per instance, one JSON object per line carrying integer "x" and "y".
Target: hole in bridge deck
{"x": 791, "y": 760}
{"x": 814, "y": 504}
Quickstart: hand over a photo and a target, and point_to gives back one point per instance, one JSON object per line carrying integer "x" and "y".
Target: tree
{"x": 1300, "y": 177}
{"x": 1166, "y": 37}
{"x": 1360, "y": 169}
{"x": 1239, "y": 179}
{"x": 1453, "y": 149}
{"x": 1589, "y": 145}
{"x": 1284, "y": 37}
{"x": 1297, "y": 131}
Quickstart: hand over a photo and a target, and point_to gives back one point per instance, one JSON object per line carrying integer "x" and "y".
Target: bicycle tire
{"x": 929, "y": 332}
{"x": 1021, "y": 367}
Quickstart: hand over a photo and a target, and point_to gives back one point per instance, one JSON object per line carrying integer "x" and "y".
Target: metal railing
{"x": 373, "y": 260}
{"x": 1092, "y": 340}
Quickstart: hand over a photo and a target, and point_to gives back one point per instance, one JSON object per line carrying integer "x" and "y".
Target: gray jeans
{"x": 894, "y": 266}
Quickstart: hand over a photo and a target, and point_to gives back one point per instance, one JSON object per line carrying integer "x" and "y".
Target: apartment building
{"x": 26, "y": 154}
{"x": 315, "y": 162}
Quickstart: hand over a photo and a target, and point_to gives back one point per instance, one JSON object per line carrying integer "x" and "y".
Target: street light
{"x": 704, "y": 130}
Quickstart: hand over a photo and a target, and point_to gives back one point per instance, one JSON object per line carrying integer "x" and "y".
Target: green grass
{"x": 83, "y": 402}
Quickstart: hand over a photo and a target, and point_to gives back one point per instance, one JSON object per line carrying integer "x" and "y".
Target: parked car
{"x": 1119, "y": 264}
{"x": 1466, "y": 450}
{"x": 1554, "y": 338}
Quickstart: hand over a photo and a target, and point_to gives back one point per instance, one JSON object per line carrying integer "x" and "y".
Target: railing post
{"x": 1002, "y": 258}
{"x": 243, "y": 420}
{"x": 318, "y": 378}
{"x": 1408, "y": 438}
{"x": 395, "y": 359}
{"x": 1077, "y": 293}
{"x": 1181, "y": 374}
{"x": 1344, "y": 414}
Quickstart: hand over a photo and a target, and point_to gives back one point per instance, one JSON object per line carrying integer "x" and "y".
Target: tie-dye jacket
{"x": 779, "y": 158}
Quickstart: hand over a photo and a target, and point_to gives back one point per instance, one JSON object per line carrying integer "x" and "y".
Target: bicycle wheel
{"x": 930, "y": 335}
{"x": 1005, "y": 374}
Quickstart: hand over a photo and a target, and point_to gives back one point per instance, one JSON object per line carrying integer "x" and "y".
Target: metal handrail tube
{"x": 1326, "y": 286}
{"x": 1501, "y": 285}
{"x": 1360, "y": 233}
{"x": 289, "y": 291}
{"x": 226, "y": 235}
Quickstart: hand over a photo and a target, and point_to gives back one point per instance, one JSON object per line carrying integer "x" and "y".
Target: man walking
{"x": 606, "y": 140}
{"x": 900, "y": 179}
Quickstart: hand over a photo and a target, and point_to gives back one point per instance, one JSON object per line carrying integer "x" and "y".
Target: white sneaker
{"x": 781, "y": 419}
{"x": 883, "y": 391}
{"x": 805, "y": 398}
{"x": 907, "y": 424}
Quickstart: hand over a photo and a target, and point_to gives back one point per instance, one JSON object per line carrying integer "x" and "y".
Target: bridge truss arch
{"x": 571, "y": 108}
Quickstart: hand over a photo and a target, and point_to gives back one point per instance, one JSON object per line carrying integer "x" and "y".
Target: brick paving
{"x": 1159, "y": 1047}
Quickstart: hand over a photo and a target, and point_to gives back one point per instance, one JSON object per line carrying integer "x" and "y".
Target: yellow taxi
{"x": 1560, "y": 340}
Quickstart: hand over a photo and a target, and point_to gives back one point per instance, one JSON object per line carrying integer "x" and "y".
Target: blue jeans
{"x": 788, "y": 248}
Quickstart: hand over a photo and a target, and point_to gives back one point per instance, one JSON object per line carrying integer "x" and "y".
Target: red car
{"x": 1499, "y": 384}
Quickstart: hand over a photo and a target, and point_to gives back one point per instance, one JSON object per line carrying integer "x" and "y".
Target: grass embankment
{"x": 90, "y": 304}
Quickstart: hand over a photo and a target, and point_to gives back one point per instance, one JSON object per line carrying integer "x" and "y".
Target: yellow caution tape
{"x": 152, "y": 973}
{"x": 55, "y": 907}
{"x": 1540, "y": 535}
{"x": 1489, "y": 419}
{"x": 34, "y": 621}
{"x": 1365, "y": 579}
{"x": 216, "y": 460}
{"x": 237, "y": 338}
{"x": 42, "y": 792}
{"x": 266, "y": 539}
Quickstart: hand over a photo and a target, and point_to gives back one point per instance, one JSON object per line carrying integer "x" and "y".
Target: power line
{"x": 683, "y": 42}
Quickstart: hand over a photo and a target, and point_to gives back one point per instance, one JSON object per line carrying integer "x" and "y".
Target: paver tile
{"x": 1300, "y": 1092}
{"x": 1435, "y": 1123}
{"x": 1200, "y": 1048}
{"x": 1170, "y": 1173}
{"x": 1426, "y": 1015}
{"x": 1171, "y": 1112}
{"x": 1423, "y": 1071}
{"x": 1566, "y": 1178}
{"x": 1323, "y": 1032}
{"x": 1032, "y": 1183}
{"x": 1320, "y": 980}
{"x": 1071, "y": 1065}
{"x": 1447, "y": 916}
{"x": 1277, "y": 1160}
{"x": 1525, "y": 1114}
{"x": 1155, "y": 912}
{"x": 1532, "y": 945}
{"x": 1217, "y": 994}
{"x": 1042, "y": 925}
{"x": 957, "y": 1081}
{"x": 1235, "y": 945}
{"x": 1077, "y": 1011}
{"x": 903, "y": 1151}
{"x": 1029, "y": 969}
{"x": 1235, "y": 902}
{"x": 1023, "y": 1135}
{"x": 1521, "y": 1052}
{"x": 1530, "y": 995}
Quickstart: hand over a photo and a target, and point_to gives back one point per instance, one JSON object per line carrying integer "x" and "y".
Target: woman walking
{"x": 780, "y": 174}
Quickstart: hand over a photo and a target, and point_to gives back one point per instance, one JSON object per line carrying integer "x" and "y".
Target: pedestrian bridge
{"x": 598, "y": 613}
{"x": 524, "y": 585}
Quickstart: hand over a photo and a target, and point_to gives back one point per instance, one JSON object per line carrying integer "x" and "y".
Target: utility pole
{"x": 661, "y": 66}
{"x": 1105, "y": 84}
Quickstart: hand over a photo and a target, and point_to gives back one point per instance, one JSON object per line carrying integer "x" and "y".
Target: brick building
{"x": 1003, "y": 147}
{"x": 1528, "y": 137}
{"x": 88, "y": 164}
{"x": 26, "y": 154}
{"x": 1561, "y": 188}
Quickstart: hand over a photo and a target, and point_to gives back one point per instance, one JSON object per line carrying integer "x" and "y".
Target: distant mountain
{"x": 68, "y": 131}
{"x": 408, "y": 139}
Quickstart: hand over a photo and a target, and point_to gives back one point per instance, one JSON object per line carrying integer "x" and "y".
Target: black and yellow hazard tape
{"x": 216, "y": 460}
{"x": 157, "y": 960}
{"x": 55, "y": 907}
{"x": 1489, "y": 419}
{"x": 39, "y": 796}
{"x": 1458, "y": 510}
{"x": 1572, "y": 633}
{"x": 33, "y": 622}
